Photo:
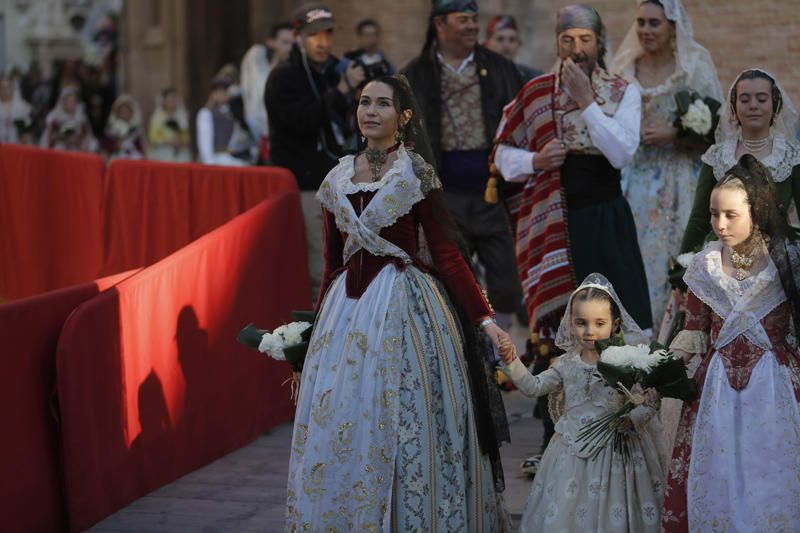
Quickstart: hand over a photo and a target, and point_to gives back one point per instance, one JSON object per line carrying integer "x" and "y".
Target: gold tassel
{"x": 490, "y": 195}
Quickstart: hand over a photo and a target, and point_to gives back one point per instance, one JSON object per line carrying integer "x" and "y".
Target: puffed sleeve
{"x": 694, "y": 338}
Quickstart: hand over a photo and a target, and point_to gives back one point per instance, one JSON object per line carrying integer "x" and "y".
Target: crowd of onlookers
{"x": 78, "y": 107}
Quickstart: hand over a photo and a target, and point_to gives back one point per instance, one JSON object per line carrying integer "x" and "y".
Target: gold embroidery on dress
{"x": 343, "y": 440}
{"x": 300, "y": 438}
{"x": 312, "y": 482}
{"x": 361, "y": 341}
{"x": 321, "y": 413}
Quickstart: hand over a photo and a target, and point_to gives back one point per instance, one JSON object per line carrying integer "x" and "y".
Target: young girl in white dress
{"x": 573, "y": 491}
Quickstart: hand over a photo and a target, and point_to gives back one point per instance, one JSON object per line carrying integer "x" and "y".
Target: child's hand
{"x": 508, "y": 352}
{"x": 626, "y": 425}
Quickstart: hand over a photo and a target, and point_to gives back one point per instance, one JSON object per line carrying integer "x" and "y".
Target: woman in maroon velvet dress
{"x": 735, "y": 463}
{"x": 387, "y": 436}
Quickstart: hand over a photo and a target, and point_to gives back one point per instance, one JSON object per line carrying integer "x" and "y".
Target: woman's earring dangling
{"x": 673, "y": 42}
{"x": 363, "y": 139}
{"x": 398, "y": 135}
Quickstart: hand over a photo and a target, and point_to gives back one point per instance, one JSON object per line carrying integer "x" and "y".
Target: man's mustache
{"x": 579, "y": 58}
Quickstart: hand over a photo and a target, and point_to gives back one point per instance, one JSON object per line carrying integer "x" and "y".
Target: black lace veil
{"x": 782, "y": 243}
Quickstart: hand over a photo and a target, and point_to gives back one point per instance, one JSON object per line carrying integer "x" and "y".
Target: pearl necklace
{"x": 755, "y": 145}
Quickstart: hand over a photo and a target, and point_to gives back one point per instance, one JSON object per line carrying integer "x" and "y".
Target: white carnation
{"x": 685, "y": 260}
{"x": 282, "y": 337}
{"x": 697, "y": 118}
{"x": 272, "y": 345}
{"x": 638, "y": 357}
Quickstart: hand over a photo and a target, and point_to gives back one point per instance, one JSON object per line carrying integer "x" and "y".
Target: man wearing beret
{"x": 461, "y": 88}
{"x": 307, "y": 103}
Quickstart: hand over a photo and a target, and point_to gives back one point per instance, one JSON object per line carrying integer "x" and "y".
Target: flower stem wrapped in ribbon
{"x": 288, "y": 342}
{"x": 697, "y": 118}
{"x": 622, "y": 367}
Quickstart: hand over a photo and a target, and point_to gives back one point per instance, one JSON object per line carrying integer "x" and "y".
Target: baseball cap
{"x": 313, "y": 18}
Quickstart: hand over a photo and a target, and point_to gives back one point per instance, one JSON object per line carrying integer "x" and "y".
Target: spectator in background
{"x": 218, "y": 129}
{"x": 243, "y": 144}
{"x": 123, "y": 137}
{"x": 257, "y": 64}
{"x": 306, "y": 100}
{"x": 15, "y": 113}
{"x": 66, "y": 126}
{"x": 462, "y": 88}
{"x": 502, "y": 37}
{"x": 368, "y": 55}
{"x": 168, "y": 131}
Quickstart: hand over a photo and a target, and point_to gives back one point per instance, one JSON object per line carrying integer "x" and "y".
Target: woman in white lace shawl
{"x": 659, "y": 55}
{"x": 572, "y": 490}
{"x": 734, "y": 465}
{"x": 758, "y": 118}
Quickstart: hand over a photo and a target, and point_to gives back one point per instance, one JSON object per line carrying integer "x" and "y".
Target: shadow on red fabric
{"x": 151, "y": 380}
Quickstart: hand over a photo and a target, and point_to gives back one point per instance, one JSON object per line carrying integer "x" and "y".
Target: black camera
{"x": 371, "y": 70}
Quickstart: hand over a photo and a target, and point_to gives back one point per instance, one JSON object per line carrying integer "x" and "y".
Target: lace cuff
{"x": 693, "y": 342}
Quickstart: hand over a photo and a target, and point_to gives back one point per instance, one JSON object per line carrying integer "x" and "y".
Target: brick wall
{"x": 738, "y": 33}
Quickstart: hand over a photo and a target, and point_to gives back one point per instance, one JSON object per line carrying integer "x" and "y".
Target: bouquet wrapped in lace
{"x": 697, "y": 118}
{"x": 288, "y": 342}
{"x": 623, "y": 367}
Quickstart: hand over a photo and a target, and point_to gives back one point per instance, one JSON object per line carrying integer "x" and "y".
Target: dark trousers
{"x": 485, "y": 230}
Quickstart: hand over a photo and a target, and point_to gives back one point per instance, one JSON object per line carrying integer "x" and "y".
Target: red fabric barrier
{"x": 30, "y": 482}
{"x": 152, "y": 209}
{"x": 151, "y": 381}
{"x": 50, "y": 220}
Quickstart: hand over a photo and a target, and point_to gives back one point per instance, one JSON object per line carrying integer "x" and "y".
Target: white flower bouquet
{"x": 697, "y": 118}
{"x": 622, "y": 367}
{"x": 288, "y": 342}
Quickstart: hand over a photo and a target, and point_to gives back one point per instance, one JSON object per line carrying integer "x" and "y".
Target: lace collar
{"x": 742, "y": 305}
{"x": 784, "y": 157}
{"x": 349, "y": 187}
{"x": 397, "y": 193}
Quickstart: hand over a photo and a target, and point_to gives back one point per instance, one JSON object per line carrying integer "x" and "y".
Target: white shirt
{"x": 616, "y": 137}
{"x": 461, "y": 67}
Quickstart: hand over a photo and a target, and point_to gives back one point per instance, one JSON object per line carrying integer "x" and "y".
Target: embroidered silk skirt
{"x": 384, "y": 436}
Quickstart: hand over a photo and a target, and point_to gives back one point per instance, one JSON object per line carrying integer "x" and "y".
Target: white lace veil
{"x": 633, "y": 333}
{"x": 786, "y": 121}
{"x": 691, "y": 57}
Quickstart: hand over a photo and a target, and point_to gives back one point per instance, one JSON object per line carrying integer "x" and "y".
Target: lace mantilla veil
{"x": 786, "y": 122}
{"x": 633, "y": 333}
{"x": 691, "y": 57}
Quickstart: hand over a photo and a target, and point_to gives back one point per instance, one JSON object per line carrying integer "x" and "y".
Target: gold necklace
{"x": 742, "y": 264}
{"x": 376, "y": 158}
{"x": 743, "y": 261}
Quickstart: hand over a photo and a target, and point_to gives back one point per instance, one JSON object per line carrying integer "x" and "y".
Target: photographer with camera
{"x": 368, "y": 54}
{"x": 307, "y": 103}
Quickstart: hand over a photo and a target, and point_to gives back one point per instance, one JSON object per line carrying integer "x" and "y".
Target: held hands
{"x": 659, "y": 136}
{"x": 551, "y": 156}
{"x": 577, "y": 83}
{"x": 502, "y": 341}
